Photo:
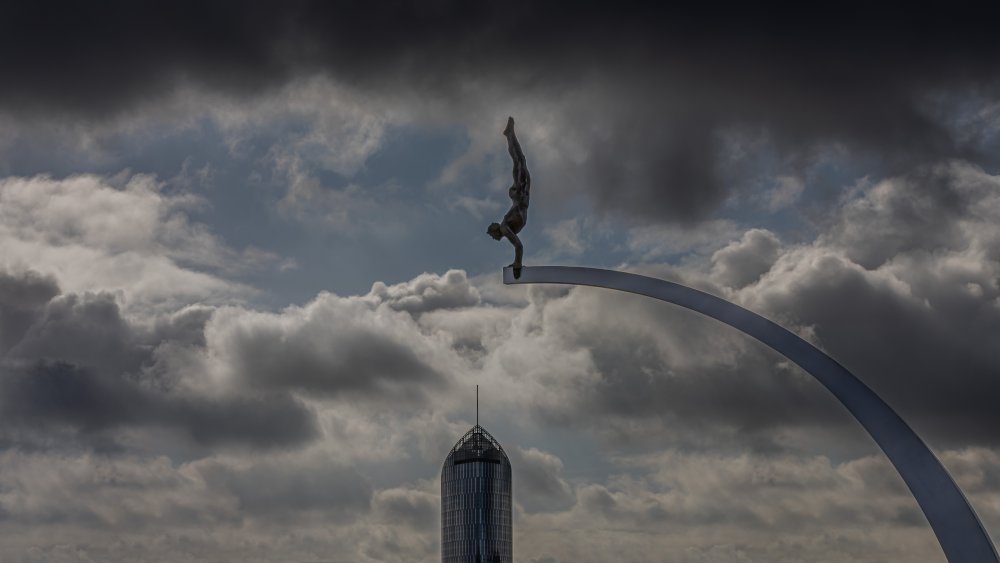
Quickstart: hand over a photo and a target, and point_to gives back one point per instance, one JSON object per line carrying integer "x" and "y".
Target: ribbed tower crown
{"x": 477, "y": 445}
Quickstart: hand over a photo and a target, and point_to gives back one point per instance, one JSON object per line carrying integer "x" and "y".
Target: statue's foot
{"x": 517, "y": 270}
{"x": 510, "y": 127}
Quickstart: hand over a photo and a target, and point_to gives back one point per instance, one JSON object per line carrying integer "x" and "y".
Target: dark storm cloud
{"x": 50, "y": 396}
{"x": 331, "y": 348}
{"x": 23, "y": 296}
{"x": 540, "y": 485}
{"x": 644, "y": 94}
{"x": 72, "y": 361}
{"x": 411, "y": 508}
{"x": 61, "y": 393}
{"x": 361, "y": 361}
{"x": 83, "y": 329}
{"x": 120, "y": 53}
{"x": 271, "y": 488}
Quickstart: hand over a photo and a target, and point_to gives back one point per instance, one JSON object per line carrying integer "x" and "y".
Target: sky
{"x": 246, "y": 290}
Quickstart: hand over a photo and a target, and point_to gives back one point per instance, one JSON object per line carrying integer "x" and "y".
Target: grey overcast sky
{"x": 246, "y": 290}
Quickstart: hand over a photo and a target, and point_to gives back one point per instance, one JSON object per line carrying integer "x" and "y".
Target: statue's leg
{"x": 520, "y": 167}
{"x": 518, "y": 248}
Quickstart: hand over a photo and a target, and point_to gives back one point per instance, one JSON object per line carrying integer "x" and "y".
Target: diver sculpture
{"x": 517, "y": 216}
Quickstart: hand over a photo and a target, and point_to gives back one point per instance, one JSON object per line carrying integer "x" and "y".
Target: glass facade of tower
{"x": 476, "y": 502}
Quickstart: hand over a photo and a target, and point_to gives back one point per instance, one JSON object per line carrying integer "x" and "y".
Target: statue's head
{"x": 494, "y": 231}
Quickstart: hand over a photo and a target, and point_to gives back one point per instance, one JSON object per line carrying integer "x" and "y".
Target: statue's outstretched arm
{"x": 512, "y": 237}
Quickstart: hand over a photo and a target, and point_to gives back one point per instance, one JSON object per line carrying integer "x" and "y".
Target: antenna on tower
{"x": 477, "y": 405}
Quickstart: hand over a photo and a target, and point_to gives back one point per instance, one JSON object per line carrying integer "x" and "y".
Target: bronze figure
{"x": 517, "y": 215}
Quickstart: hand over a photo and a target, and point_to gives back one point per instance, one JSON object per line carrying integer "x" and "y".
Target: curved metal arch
{"x": 956, "y": 525}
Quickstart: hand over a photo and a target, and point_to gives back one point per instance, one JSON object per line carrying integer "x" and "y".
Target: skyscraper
{"x": 476, "y": 501}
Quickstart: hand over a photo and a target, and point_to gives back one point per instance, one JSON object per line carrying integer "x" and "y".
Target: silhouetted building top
{"x": 476, "y": 501}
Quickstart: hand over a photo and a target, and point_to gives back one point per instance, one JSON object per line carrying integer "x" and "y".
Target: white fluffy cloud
{"x": 121, "y": 234}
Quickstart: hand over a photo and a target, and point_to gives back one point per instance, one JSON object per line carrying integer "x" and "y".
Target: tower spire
{"x": 477, "y": 405}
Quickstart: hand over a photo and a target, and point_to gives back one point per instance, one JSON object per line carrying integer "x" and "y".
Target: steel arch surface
{"x": 953, "y": 520}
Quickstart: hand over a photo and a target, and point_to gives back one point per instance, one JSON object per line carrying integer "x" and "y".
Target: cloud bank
{"x": 223, "y": 422}
{"x": 655, "y": 112}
